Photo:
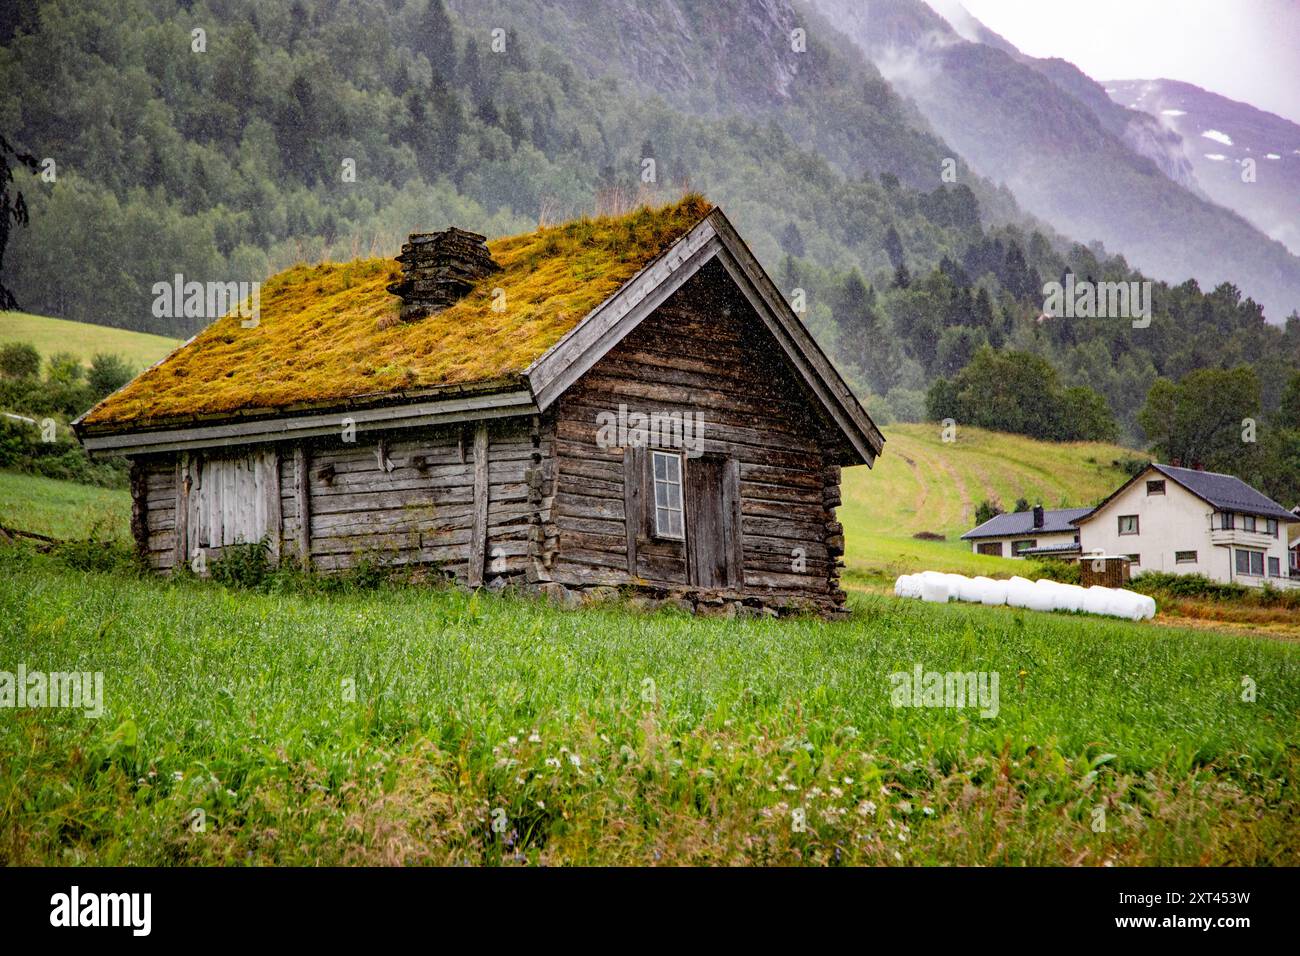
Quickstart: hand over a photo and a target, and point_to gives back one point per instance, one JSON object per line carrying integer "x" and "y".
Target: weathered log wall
{"x": 159, "y": 509}
{"x": 416, "y": 498}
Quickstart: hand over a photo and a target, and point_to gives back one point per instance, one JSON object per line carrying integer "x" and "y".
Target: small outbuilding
{"x": 615, "y": 403}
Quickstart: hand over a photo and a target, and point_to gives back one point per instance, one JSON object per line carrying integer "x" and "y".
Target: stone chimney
{"x": 1038, "y": 516}
{"x": 439, "y": 269}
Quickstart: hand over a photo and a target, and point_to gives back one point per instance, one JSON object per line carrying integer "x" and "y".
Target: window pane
{"x": 1243, "y": 562}
{"x": 1274, "y": 567}
{"x": 1249, "y": 522}
{"x": 674, "y": 496}
{"x": 1257, "y": 562}
{"x": 660, "y": 466}
{"x": 661, "y": 494}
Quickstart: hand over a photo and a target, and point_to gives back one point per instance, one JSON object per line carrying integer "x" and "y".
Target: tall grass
{"x": 400, "y": 724}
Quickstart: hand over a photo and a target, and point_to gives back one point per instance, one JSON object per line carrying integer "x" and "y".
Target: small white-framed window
{"x": 668, "y": 495}
{"x": 1128, "y": 524}
{"x": 1185, "y": 557}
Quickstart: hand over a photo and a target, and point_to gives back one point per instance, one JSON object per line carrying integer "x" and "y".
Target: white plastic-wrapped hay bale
{"x": 1096, "y": 600}
{"x": 1069, "y": 597}
{"x": 955, "y": 583}
{"x": 935, "y": 587}
{"x": 995, "y": 593}
{"x": 972, "y": 589}
{"x": 907, "y": 586}
{"x": 1124, "y": 604}
{"x": 1019, "y": 591}
{"x": 1040, "y": 596}
{"x": 1052, "y": 592}
{"x": 1137, "y": 607}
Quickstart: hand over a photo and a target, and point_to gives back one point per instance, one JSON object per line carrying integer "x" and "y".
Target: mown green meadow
{"x": 367, "y": 723}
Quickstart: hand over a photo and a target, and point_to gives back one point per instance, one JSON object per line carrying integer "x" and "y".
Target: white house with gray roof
{"x": 1187, "y": 521}
{"x": 1018, "y": 534}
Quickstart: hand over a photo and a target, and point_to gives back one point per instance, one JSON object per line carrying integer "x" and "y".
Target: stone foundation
{"x": 721, "y": 604}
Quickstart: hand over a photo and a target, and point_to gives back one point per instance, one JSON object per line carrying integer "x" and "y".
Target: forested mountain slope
{"x": 1093, "y": 168}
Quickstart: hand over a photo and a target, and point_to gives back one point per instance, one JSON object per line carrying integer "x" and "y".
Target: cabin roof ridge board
{"x": 334, "y": 339}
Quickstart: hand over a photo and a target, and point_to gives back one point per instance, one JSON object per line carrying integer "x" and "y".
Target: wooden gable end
{"x": 750, "y": 431}
{"x": 711, "y": 244}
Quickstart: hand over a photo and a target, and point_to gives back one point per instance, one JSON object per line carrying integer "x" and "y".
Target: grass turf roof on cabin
{"x": 330, "y": 335}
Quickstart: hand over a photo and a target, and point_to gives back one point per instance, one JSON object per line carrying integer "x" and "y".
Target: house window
{"x": 1225, "y": 520}
{"x": 1128, "y": 524}
{"x": 990, "y": 547}
{"x": 668, "y": 495}
{"x": 1250, "y": 562}
{"x": 1271, "y": 526}
{"x": 1248, "y": 522}
{"x": 1020, "y": 547}
{"x": 1274, "y": 568}
{"x": 1134, "y": 559}
{"x": 1185, "y": 557}
{"x": 1156, "y": 487}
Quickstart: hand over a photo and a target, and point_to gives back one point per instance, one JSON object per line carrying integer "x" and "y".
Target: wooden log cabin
{"x": 619, "y": 404}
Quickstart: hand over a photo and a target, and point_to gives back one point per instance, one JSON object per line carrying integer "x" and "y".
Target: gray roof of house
{"x": 1226, "y": 492}
{"x": 1022, "y": 522}
{"x": 1069, "y": 547}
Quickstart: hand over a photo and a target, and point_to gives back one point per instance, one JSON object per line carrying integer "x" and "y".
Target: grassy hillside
{"x": 83, "y": 339}
{"x": 63, "y": 509}
{"x": 922, "y": 483}
{"x": 396, "y": 725}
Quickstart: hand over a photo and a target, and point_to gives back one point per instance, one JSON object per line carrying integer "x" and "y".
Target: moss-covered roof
{"x": 330, "y": 334}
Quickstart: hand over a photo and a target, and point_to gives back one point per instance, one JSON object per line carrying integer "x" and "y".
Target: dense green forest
{"x": 230, "y": 139}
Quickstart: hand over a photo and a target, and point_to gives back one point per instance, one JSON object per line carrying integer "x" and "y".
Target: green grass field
{"x": 49, "y": 335}
{"x": 398, "y": 725}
